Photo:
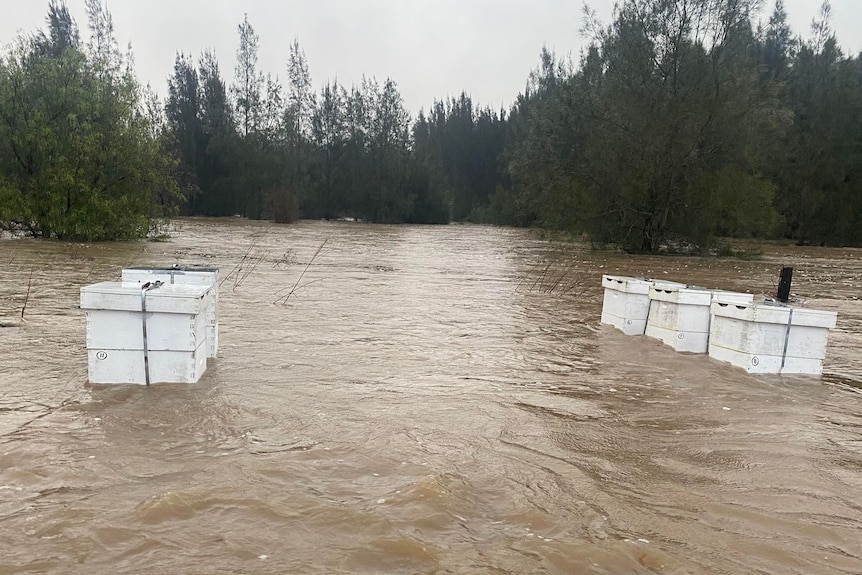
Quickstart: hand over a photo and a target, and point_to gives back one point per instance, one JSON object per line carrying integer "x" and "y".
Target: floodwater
{"x": 428, "y": 400}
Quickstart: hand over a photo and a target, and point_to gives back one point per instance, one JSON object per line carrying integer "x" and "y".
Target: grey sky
{"x": 431, "y": 49}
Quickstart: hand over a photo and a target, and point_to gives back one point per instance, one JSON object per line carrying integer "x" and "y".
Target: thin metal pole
{"x": 786, "y": 338}
{"x": 144, "y": 289}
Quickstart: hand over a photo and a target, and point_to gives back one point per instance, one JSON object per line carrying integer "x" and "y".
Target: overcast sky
{"x": 432, "y": 48}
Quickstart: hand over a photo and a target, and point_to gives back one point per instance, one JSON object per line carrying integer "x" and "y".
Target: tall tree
{"x": 103, "y": 49}
{"x": 329, "y": 133}
{"x": 218, "y": 168}
{"x": 62, "y": 31}
{"x": 182, "y": 113}
{"x": 249, "y": 81}
{"x": 248, "y": 93}
{"x": 389, "y": 150}
{"x": 778, "y": 42}
{"x": 427, "y": 182}
{"x": 298, "y": 120}
{"x": 78, "y": 157}
{"x": 301, "y": 100}
{"x": 358, "y": 110}
{"x": 819, "y": 170}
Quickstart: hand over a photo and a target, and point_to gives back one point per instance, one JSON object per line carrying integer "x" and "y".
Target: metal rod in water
{"x": 144, "y": 289}
{"x": 144, "y": 321}
{"x": 786, "y": 338}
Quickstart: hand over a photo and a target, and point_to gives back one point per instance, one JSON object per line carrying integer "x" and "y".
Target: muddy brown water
{"x": 429, "y": 400}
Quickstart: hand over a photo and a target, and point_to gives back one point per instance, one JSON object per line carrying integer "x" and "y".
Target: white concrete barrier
{"x": 680, "y": 316}
{"x": 770, "y": 338}
{"x": 142, "y": 336}
{"x": 626, "y": 302}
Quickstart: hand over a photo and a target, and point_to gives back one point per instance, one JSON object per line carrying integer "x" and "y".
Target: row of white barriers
{"x": 158, "y": 324}
{"x": 765, "y": 337}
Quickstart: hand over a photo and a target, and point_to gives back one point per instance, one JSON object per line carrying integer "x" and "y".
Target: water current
{"x": 442, "y": 400}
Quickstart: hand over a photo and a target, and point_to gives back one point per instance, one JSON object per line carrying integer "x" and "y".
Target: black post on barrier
{"x": 784, "y": 281}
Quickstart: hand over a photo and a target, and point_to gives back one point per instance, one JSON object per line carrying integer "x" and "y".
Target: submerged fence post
{"x": 784, "y": 281}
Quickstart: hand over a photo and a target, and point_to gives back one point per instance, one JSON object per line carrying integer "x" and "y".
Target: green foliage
{"x": 680, "y": 124}
{"x": 818, "y": 171}
{"x": 77, "y": 156}
{"x": 738, "y": 204}
{"x": 460, "y": 149}
{"x": 616, "y": 148}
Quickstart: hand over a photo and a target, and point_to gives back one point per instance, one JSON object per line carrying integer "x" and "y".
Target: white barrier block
{"x": 770, "y": 338}
{"x": 680, "y": 316}
{"x": 176, "y": 332}
{"x": 626, "y": 302}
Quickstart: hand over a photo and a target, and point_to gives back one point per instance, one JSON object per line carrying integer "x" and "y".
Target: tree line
{"x": 684, "y": 121}
{"x": 262, "y": 150}
{"x": 681, "y": 122}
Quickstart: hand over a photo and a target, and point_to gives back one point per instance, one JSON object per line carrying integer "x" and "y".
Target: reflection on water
{"x": 427, "y": 400}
